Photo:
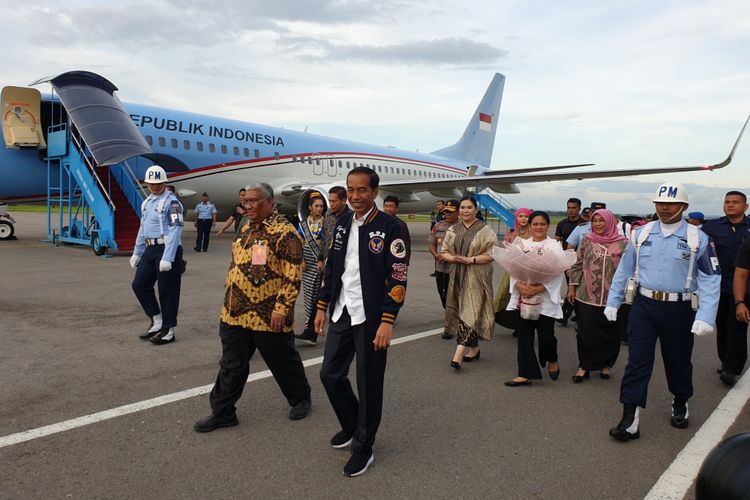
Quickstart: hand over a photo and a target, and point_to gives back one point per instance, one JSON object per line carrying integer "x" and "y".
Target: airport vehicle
{"x": 84, "y": 149}
{"x": 6, "y": 223}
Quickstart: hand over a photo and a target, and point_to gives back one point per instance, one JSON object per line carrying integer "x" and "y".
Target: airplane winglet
{"x": 731, "y": 153}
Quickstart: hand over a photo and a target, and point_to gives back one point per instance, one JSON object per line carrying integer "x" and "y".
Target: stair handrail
{"x": 499, "y": 198}
{"x": 93, "y": 172}
{"x": 129, "y": 171}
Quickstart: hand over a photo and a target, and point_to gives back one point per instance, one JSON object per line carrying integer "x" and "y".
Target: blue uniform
{"x": 205, "y": 217}
{"x": 663, "y": 267}
{"x": 159, "y": 238}
{"x": 578, "y": 233}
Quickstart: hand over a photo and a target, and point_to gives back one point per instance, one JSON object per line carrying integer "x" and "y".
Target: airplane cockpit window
{"x": 246, "y": 152}
{"x": 150, "y": 140}
{"x": 257, "y": 153}
{"x": 211, "y": 147}
{"x": 224, "y": 149}
{"x": 199, "y": 145}
{"x": 162, "y": 141}
{"x": 236, "y": 150}
{"x": 186, "y": 144}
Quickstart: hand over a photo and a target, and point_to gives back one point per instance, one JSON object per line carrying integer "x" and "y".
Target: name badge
{"x": 259, "y": 254}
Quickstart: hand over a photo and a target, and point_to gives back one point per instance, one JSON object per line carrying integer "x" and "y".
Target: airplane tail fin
{"x": 475, "y": 146}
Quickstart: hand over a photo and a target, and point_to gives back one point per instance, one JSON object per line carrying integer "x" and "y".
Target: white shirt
{"x": 351, "y": 283}
{"x": 551, "y": 299}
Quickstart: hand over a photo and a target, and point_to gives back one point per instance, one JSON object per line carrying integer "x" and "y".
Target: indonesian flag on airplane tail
{"x": 485, "y": 122}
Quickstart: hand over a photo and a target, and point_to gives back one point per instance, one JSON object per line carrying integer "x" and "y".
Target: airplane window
{"x": 186, "y": 144}
{"x": 224, "y": 149}
{"x": 162, "y": 141}
{"x": 212, "y": 147}
{"x": 409, "y": 171}
{"x": 174, "y": 143}
{"x": 257, "y": 153}
{"x": 294, "y": 158}
{"x": 340, "y": 164}
{"x": 391, "y": 169}
{"x": 317, "y": 161}
{"x": 309, "y": 160}
{"x": 199, "y": 145}
{"x": 380, "y": 169}
{"x": 276, "y": 155}
{"x": 236, "y": 150}
{"x": 330, "y": 162}
{"x": 246, "y": 152}
{"x": 150, "y": 140}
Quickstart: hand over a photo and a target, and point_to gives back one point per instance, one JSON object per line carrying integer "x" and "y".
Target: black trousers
{"x": 204, "y": 233}
{"x": 442, "y": 280}
{"x": 528, "y": 365}
{"x": 597, "y": 338}
{"x": 359, "y": 416}
{"x": 237, "y": 348}
{"x": 670, "y": 323}
{"x": 147, "y": 274}
{"x": 731, "y": 336}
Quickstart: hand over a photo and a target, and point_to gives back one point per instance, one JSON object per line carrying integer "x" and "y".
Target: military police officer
{"x": 671, "y": 273}
{"x": 205, "y": 220}
{"x": 157, "y": 257}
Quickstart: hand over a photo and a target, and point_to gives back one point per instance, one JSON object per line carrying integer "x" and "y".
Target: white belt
{"x": 154, "y": 241}
{"x": 664, "y": 296}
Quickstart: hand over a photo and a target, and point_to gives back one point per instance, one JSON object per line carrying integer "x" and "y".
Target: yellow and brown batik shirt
{"x": 264, "y": 275}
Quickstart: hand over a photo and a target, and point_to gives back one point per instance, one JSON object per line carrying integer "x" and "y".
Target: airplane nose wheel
{"x": 6, "y": 230}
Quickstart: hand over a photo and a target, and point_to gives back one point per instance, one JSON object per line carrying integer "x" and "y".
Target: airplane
{"x": 216, "y": 155}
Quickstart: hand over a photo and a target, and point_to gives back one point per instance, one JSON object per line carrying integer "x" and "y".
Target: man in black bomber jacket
{"x": 364, "y": 288}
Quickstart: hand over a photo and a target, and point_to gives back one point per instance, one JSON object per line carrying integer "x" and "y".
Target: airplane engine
{"x": 303, "y": 203}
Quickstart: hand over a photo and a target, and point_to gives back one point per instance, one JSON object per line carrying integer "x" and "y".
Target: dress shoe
{"x": 604, "y": 375}
{"x": 307, "y": 338}
{"x": 719, "y": 370}
{"x": 562, "y": 322}
{"x": 213, "y": 422}
{"x": 579, "y": 378}
{"x": 197, "y": 249}
{"x": 627, "y": 429}
{"x": 515, "y": 333}
{"x": 728, "y": 378}
{"x": 165, "y": 336}
{"x": 455, "y": 365}
{"x": 358, "y": 464}
{"x": 469, "y": 359}
{"x": 554, "y": 375}
{"x": 342, "y": 439}
{"x": 516, "y": 383}
{"x": 446, "y": 335}
{"x": 153, "y": 329}
{"x": 300, "y": 410}
{"x": 680, "y": 413}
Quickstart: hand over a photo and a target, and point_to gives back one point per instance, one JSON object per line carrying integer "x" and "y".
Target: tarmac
{"x": 70, "y": 349}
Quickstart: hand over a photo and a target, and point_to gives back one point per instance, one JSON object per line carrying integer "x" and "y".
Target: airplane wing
{"x": 506, "y": 182}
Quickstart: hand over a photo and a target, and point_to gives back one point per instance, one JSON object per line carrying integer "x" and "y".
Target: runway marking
{"x": 679, "y": 477}
{"x": 101, "y": 416}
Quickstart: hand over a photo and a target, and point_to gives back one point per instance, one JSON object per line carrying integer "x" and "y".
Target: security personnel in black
{"x": 157, "y": 257}
{"x": 364, "y": 288}
{"x": 728, "y": 233}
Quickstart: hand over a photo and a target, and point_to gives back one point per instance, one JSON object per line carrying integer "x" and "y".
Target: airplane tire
{"x": 96, "y": 246}
{"x": 6, "y": 230}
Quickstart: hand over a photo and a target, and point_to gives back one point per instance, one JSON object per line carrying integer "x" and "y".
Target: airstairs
{"x": 496, "y": 205}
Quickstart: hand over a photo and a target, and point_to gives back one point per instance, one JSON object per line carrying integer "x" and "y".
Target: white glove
{"x": 701, "y": 328}
{"x": 165, "y": 266}
{"x": 611, "y": 313}
{"x": 134, "y": 260}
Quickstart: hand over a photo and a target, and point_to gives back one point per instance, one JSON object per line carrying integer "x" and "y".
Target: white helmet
{"x": 671, "y": 192}
{"x": 155, "y": 175}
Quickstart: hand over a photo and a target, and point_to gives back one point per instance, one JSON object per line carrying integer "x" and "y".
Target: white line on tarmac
{"x": 677, "y": 479}
{"x": 93, "y": 418}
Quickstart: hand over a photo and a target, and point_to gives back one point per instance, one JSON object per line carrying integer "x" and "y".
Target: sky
{"x": 623, "y": 84}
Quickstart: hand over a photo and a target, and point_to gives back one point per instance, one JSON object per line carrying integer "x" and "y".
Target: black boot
{"x": 627, "y": 429}
{"x": 679, "y": 413}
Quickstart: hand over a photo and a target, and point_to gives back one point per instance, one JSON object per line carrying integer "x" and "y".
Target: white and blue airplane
{"x": 219, "y": 156}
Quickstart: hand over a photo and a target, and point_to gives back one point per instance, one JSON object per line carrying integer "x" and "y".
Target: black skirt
{"x": 598, "y": 338}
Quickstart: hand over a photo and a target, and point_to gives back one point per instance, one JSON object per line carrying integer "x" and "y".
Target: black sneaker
{"x": 300, "y": 410}
{"x": 446, "y": 335}
{"x": 627, "y": 429}
{"x": 679, "y": 413}
{"x": 165, "y": 336}
{"x": 213, "y": 422}
{"x": 358, "y": 464}
{"x": 342, "y": 439}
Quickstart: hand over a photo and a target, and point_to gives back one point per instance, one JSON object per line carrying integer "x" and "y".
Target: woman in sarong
{"x": 590, "y": 278}
{"x": 311, "y": 230}
{"x": 468, "y": 310}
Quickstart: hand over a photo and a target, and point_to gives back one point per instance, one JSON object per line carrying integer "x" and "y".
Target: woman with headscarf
{"x": 505, "y": 318}
{"x": 590, "y": 278}
{"x": 311, "y": 231}
{"x": 468, "y": 309}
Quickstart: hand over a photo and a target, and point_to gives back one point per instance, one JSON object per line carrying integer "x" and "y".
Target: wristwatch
{"x": 738, "y": 302}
